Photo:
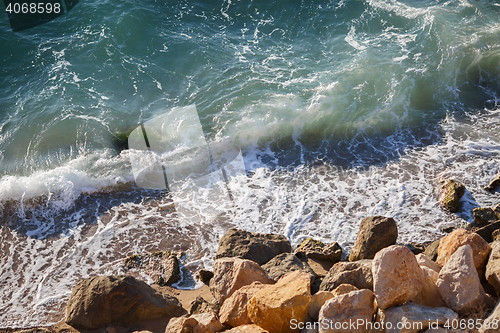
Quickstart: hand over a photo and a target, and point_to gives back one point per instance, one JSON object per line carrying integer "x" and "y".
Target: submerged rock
{"x": 252, "y": 246}
{"x": 449, "y": 195}
{"x": 375, "y": 233}
{"x": 100, "y": 301}
{"x": 317, "y": 250}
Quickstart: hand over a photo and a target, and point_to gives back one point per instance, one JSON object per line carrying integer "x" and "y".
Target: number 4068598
{"x": 33, "y": 8}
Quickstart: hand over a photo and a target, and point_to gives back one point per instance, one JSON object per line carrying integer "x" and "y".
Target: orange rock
{"x": 275, "y": 306}
{"x": 247, "y": 329}
{"x": 458, "y": 282}
{"x": 317, "y": 302}
{"x": 449, "y": 244}
{"x": 397, "y": 277}
{"x": 429, "y": 295}
{"x": 234, "y": 310}
{"x": 230, "y": 274}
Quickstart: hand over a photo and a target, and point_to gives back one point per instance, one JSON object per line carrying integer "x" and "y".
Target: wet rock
{"x": 356, "y": 306}
{"x": 397, "y": 276}
{"x": 230, "y": 274}
{"x": 358, "y": 274}
{"x": 449, "y": 195}
{"x": 458, "y": 238}
{"x": 161, "y": 267}
{"x": 285, "y": 263}
{"x": 484, "y": 215}
{"x": 275, "y": 306}
{"x": 252, "y": 246}
{"x": 493, "y": 267}
{"x": 234, "y": 310}
{"x": 415, "y": 317}
{"x": 496, "y": 208}
{"x": 317, "y": 250}
{"x": 205, "y": 276}
{"x": 375, "y": 233}
{"x": 458, "y": 282}
{"x": 493, "y": 184}
{"x": 100, "y": 301}
{"x": 432, "y": 250}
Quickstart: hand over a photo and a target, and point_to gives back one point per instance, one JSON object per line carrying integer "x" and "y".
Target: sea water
{"x": 341, "y": 110}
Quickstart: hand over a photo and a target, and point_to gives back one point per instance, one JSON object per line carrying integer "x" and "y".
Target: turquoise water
{"x": 384, "y": 97}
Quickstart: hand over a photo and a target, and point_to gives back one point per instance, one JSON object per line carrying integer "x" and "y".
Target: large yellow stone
{"x": 275, "y": 306}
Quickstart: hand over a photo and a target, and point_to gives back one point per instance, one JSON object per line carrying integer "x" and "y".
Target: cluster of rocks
{"x": 260, "y": 285}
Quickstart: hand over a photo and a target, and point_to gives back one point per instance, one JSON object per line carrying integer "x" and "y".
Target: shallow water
{"x": 341, "y": 109}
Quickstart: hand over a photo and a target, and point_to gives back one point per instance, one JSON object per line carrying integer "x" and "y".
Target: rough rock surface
{"x": 199, "y": 305}
{"x": 459, "y": 237}
{"x": 274, "y": 306}
{"x": 449, "y": 195}
{"x": 459, "y": 284}
{"x": 198, "y": 323}
{"x": 429, "y": 295}
{"x": 358, "y": 274}
{"x": 347, "y": 308}
{"x": 161, "y": 267}
{"x": 484, "y": 215}
{"x": 317, "y": 302}
{"x": 252, "y": 246}
{"x": 493, "y": 267}
{"x": 205, "y": 276}
{"x": 414, "y": 247}
{"x": 424, "y": 261}
{"x": 415, "y": 317}
{"x": 397, "y": 276}
{"x": 284, "y": 263}
{"x": 495, "y": 235}
{"x": 432, "y": 250}
{"x": 230, "y": 274}
{"x": 343, "y": 289}
{"x": 234, "y": 310}
{"x": 487, "y": 231}
{"x": 317, "y": 250}
{"x": 492, "y": 323}
{"x": 247, "y": 329}
{"x": 375, "y": 233}
{"x": 100, "y": 301}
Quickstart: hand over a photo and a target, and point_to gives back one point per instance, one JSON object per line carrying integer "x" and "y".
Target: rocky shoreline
{"x": 259, "y": 284}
